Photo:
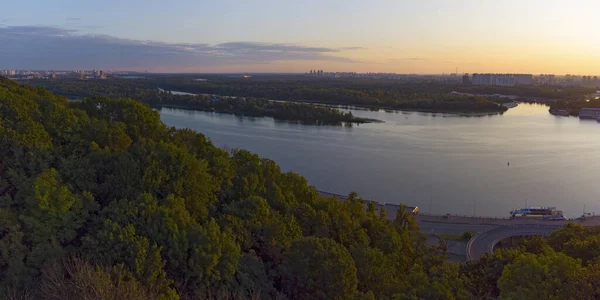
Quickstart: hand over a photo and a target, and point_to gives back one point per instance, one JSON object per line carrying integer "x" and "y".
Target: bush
{"x": 467, "y": 235}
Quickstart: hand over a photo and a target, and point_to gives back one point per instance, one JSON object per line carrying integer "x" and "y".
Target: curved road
{"x": 485, "y": 241}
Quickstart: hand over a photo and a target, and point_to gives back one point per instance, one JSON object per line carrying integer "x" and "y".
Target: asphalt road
{"x": 457, "y": 250}
{"x": 485, "y": 241}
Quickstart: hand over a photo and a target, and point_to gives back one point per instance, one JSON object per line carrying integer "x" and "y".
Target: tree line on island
{"x": 252, "y": 107}
{"x": 423, "y": 95}
{"x": 378, "y": 93}
{"x": 371, "y": 94}
{"x": 100, "y": 200}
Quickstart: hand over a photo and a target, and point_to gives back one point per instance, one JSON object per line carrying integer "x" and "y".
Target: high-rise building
{"x": 546, "y": 79}
{"x": 502, "y": 79}
{"x": 523, "y": 79}
{"x": 466, "y": 79}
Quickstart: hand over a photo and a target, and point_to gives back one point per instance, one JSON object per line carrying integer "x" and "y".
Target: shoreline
{"x": 368, "y": 107}
{"x": 357, "y": 120}
{"x": 354, "y": 106}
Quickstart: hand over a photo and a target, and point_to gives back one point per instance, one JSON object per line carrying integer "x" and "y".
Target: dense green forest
{"x": 373, "y": 94}
{"x": 530, "y": 91}
{"x": 100, "y": 200}
{"x": 252, "y": 107}
{"x": 353, "y": 91}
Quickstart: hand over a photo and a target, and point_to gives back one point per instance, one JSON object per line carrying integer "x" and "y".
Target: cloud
{"x": 42, "y": 47}
{"x": 403, "y": 60}
{"x": 353, "y": 48}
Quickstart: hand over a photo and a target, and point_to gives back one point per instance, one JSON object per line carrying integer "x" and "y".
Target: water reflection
{"x": 456, "y": 161}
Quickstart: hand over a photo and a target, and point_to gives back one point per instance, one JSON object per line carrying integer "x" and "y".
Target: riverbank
{"x": 502, "y": 106}
{"x": 392, "y": 209}
{"x": 458, "y": 162}
{"x": 414, "y": 98}
{"x": 331, "y": 119}
{"x": 466, "y": 113}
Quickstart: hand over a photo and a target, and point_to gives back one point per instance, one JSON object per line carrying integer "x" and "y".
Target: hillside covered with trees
{"x": 100, "y": 200}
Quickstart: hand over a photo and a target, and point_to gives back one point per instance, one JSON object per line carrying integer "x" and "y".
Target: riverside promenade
{"x": 489, "y": 231}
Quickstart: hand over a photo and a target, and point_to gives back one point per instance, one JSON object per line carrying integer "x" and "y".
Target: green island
{"x": 252, "y": 107}
{"x": 100, "y": 200}
{"x": 426, "y": 97}
{"x": 529, "y": 92}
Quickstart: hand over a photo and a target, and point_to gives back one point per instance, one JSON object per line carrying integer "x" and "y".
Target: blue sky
{"x": 426, "y": 36}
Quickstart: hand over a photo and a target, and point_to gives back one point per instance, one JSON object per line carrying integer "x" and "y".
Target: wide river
{"x": 482, "y": 166}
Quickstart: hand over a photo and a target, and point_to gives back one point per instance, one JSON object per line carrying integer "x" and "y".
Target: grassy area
{"x": 457, "y": 237}
{"x": 453, "y": 237}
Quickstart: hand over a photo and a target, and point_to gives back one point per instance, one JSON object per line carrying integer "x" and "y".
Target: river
{"x": 484, "y": 166}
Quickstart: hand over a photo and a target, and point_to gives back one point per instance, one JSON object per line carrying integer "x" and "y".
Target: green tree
{"x": 317, "y": 268}
{"x": 116, "y": 244}
{"x": 75, "y": 278}
{"x": 481, "y": 276}
{"x": 375, "y": 274}
{"x": 551, "y": 275}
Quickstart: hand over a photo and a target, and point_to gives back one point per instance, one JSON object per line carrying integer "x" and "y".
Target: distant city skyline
{"x": 265, "y": 36}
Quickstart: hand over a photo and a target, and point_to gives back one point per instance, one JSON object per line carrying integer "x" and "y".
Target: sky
{"x": 397, "y": 36}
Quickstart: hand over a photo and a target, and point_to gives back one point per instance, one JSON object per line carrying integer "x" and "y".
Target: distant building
{"x": 523, "y": 79}
{"x": 502, "y": 79}
{"x": 546, "y": 79}
{"x": 482, "y": 79}
{"x": 466, "y": 79}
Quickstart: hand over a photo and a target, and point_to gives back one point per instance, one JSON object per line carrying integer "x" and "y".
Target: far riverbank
{"x": 461, "y": 112}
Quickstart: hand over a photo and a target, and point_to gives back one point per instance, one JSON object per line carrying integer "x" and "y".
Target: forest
{"x": 101, "y": 200}
{"x": 369, "y": 94}
{"x": 530, "y": 91}
{"x": 304, "y": 113}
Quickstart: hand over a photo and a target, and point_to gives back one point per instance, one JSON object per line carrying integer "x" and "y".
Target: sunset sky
{"x": 424, "y": 36}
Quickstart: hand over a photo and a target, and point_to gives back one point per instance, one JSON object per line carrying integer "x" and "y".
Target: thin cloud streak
{"x": 42, "y": 47}
{"x": 353, "y": 48}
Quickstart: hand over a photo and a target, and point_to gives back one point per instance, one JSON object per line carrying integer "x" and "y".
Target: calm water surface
{"x": 442, "y": 163}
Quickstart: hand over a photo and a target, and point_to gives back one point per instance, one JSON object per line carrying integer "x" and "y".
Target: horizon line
{"x": 290, "y": 73}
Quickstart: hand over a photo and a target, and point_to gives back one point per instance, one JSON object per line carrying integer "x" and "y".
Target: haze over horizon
{"x": 423, "y": 37}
